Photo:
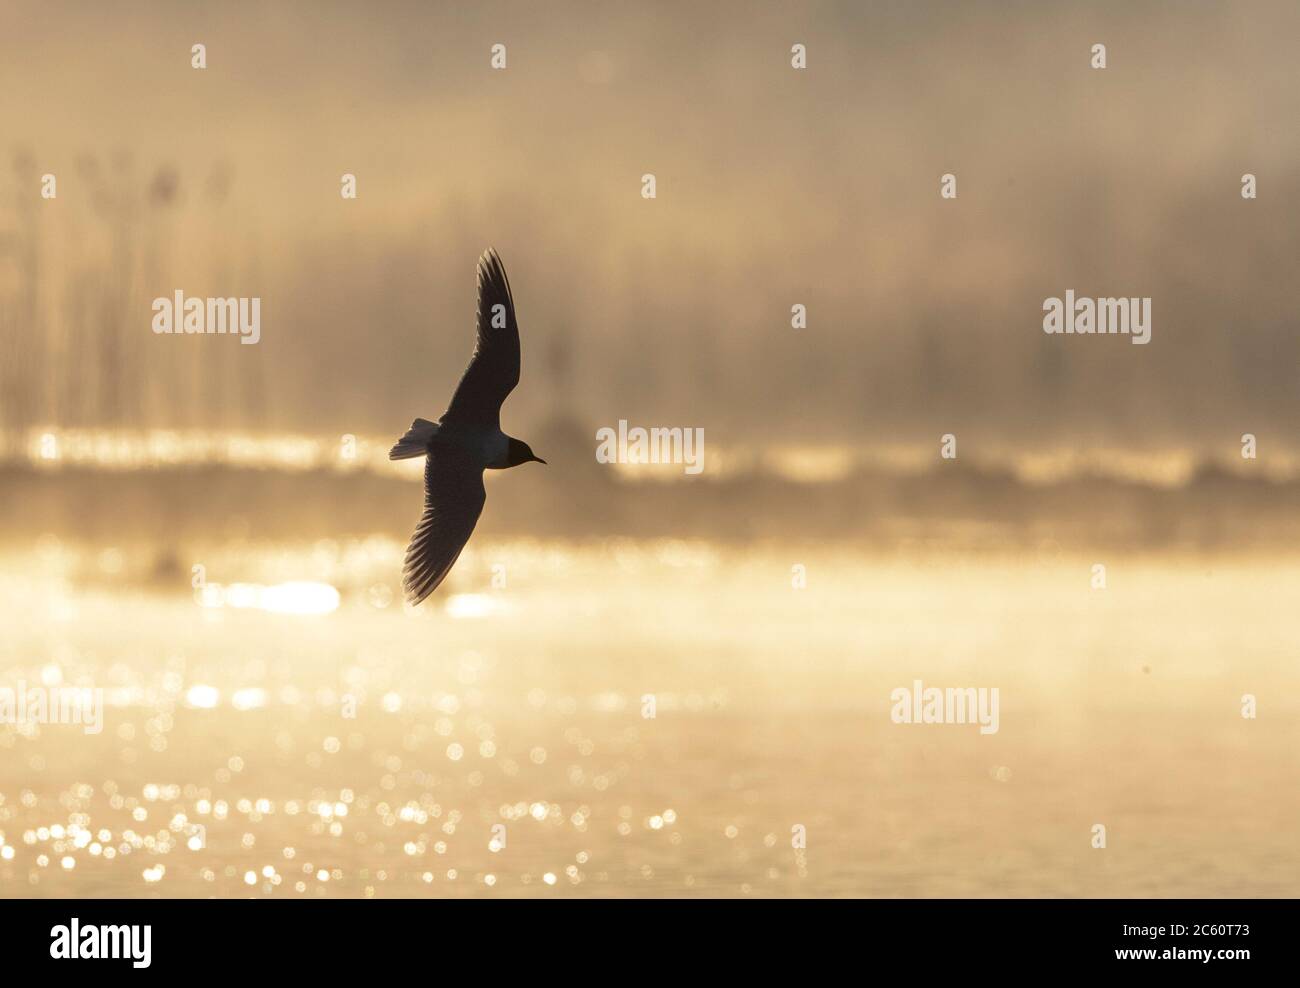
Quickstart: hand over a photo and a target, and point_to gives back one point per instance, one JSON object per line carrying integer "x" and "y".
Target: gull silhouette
{"x": 466, "y": 441}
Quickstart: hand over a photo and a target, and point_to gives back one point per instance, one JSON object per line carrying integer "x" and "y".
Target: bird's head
{"x": 521, "y": 452}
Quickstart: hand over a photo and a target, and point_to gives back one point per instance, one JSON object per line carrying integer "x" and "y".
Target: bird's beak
{"x": 538, "y": 459}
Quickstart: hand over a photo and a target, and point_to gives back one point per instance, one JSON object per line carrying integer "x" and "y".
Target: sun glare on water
{"x": 297, "y": 597}
{"x": 472, "y": 605}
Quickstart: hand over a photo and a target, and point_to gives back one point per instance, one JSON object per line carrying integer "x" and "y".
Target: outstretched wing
{"x": 493, "y": 371}
{"x": 453, "y": 500}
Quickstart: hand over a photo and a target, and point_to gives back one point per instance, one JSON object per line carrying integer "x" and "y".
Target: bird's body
{"x": 490, "y": 445}
{"x": 466, "y": 441}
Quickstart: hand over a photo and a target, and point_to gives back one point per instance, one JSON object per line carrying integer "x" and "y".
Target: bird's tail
{"x": 415, "y": 442}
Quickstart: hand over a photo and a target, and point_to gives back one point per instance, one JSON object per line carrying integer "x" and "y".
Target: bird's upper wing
{"x": 493, "y": 371}
{"x": 453, "y": 500}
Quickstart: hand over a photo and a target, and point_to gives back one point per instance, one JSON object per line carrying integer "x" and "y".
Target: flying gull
{"x": 466, "y": 441}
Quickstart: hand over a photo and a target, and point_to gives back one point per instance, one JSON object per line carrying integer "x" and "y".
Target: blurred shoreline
{"x": 171, "y": 488}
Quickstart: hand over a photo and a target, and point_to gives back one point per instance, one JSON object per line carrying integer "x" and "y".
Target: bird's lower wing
{"x": 453, "y": 500}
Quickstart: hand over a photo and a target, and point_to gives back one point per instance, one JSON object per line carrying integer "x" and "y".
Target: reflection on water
{"x": 495, "y": 743}
{"x": 296, "y": 597}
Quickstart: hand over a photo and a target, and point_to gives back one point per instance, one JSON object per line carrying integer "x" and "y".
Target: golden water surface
{"x": 272, "y": 739}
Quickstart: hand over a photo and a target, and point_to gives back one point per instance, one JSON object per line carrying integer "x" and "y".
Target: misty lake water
{"x": 494, "y": 742}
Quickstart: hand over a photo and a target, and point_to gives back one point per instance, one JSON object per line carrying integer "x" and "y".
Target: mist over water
{"x": 775, "y": 188}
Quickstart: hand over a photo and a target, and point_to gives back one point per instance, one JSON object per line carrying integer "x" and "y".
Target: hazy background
{"x": 775, "y": 187}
